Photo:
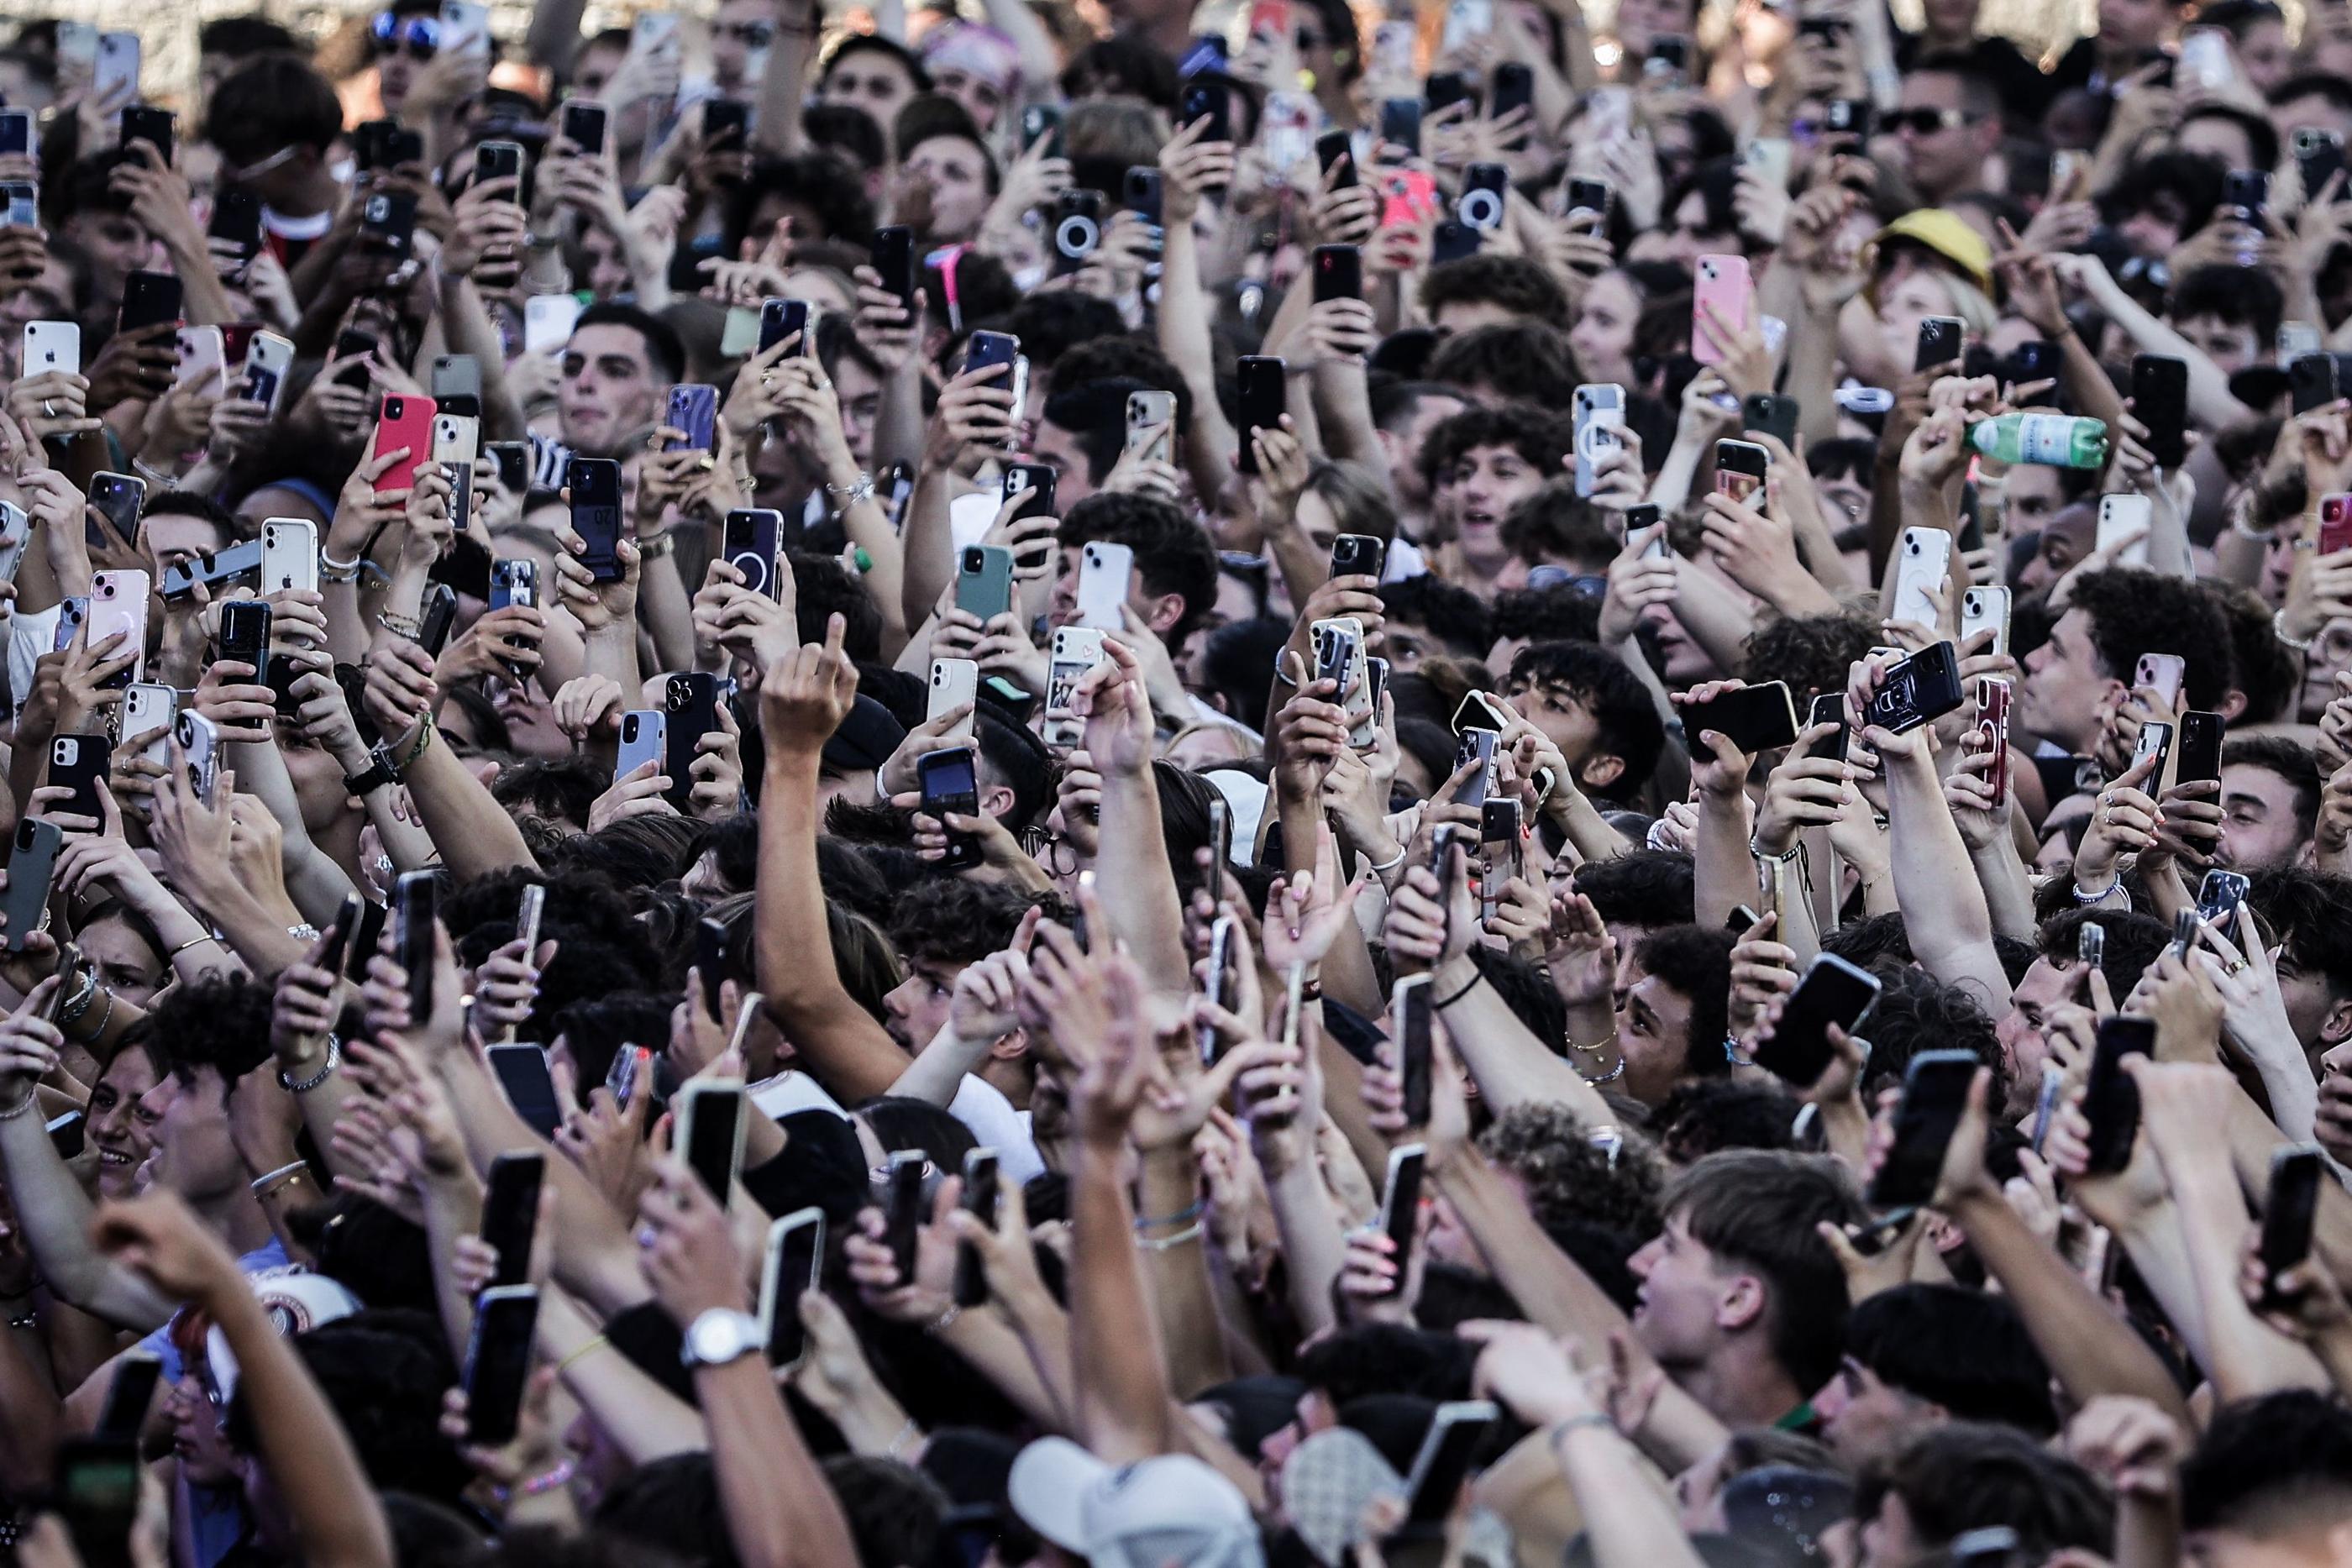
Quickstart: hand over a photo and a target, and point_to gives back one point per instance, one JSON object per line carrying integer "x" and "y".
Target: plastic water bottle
{"x": 2054, "y": 440}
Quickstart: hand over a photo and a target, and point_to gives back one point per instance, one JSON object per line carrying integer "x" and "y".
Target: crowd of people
{"x": 911, "y": 789}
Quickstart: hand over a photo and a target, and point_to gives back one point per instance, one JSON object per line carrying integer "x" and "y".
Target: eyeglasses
{"x": 753, "y": 34}
{"x": 421, "y": 34}
{"x": 1924, "y": 121}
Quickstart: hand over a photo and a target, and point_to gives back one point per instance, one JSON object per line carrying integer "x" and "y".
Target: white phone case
{"x": 204, "y": 361}
{"x": 145, "y": 707}
{"x": 1103, "y": 573}
{"x": 1983, "y": 607}
{"x": 2120, "y": 515}
{"x": 290, "y": 554}
{"x": 954, "y": 682}
{"x": 649, "y": 744}
{"x": 266, "y": 359}
{"x": 1920, "y": 569}
{"x": 547, "y": 322}
{"x": 457, "y": 438}
{"x": 51, "y": 346}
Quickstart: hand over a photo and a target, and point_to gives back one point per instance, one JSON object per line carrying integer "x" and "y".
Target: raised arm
{"x": 805, "y": 693}
{"x": 1132, "y": 876}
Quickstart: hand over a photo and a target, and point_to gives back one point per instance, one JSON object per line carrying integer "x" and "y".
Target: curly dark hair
{"x": 825, "y": 586}
{"x": 2133, "y": 613}
{"x": 2291, "y": 761}
{"x": 2264, "y": 668}
{"x": 1527, "y": 361}
{"x": 1536, "y": 433}
{"x": 1053, "y": 321}
{"x": 1649, "y": 888}
{"x": 1447, "y": 611}
{"x": 1814, "y": 653}
{"x": 219, "y": 1021}
{"x": 1171, "y": 551}
{"x": 1556, "y": 522}
{"x": 1518, "y": 284}
{"x": 1916, "y": 1012}
{"x": 1567, "y": 1176}
{"x": 559, "y": 790}
{"x": 1560, "y": 611}
{"x": 1696, "y": 960}
{"x": 1625, "y": 720}
{"x": 1707, "y": 1116}
{"x": 957, "y": 920}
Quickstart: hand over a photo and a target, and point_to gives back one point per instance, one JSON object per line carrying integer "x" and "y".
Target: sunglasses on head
{"x": 422, "y": 35}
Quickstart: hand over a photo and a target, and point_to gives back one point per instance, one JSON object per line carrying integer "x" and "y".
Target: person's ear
{"x": 1599, "y": 771}
{"x": 997, "y": 800}
{"x": 1741, "y": 1303}
{"x": 1011, "y": 1046}
{"x": 2337, "y": 1027}
{"x": 2233, "y": 705}
{"x": 1162, "y": 612}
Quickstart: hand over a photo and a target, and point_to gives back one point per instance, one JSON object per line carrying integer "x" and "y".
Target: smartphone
{"x": 1459, "y": 1431}
{"x": 244, "y": 634}
{"x": 77, "y": 762}
{"x": 1753, "y": 718}
{"x": 1919, "y": 575}
{"x": 2200, "y": 748}
{"x": 2162, "y": 674}
{"x": 1994, "y": 697}
{"x": 148, "y": 707}
{"x": 1983, "y": 607}
{"x": 753, "y": 541}
{"x": 979, "y": 1200}
{"x": 202, "y": 362}
{"x": 1144, "y": 194}
{"x": 1598, "y": 422}
{"x": 1485, "y": 187}
{"x": 2336, "y": 523}
{"x": 1339, "y": 272}
{"x": 793, "y": 1266}
{"x": 782, "y": 319}
{"x": 1409, "y": 1026}
{"x": 690, "y": 709}
{"x": 498, "y": 1361}
{"x": 986, "y": 349}
{"x": 644, "y": 738}
{"x": 548, "y": 320}
{"x": 1935, "y": 1096}
{"x": 404, "y": 423}
{"x": 1221, "y": 939}
{"x": 949, "y": 782}
{"x": 510, "y": 1202}
{"x": 1920, "y": 690}
{"x": 984, "y": 581}
{"x": 1400, "y": 1205}
{"x": 1830, "y": 991}
{"x": 499, "y": 160}
{"x": 893, "y": 257}
{"x": 1105, "y": 570}
{"x": 52, "y": 346}
{"x": 30, "y": 861}
{"x": 513, "y": 458}
{"x": 2119, "y": 517}
{"x": 1151, "y": 423}
{"x": 1076, "y": 650}
{"x": 1263, "y": 400}
{"x": 2110, "y": 1098}
{"x": 1042, "y": 119}
{"x": 1587, "y": 198}
{"x": 1740, "y": 469}
{"x": 388, "y": 221}
{"x": 1514, "y": 84}
{"x": 2159, "y": 397}
{"x": 2290, "y": 1207}
{"x": 1358, "y": 555}
{"x": 1724, "y": 284}
{"x": 2154, "y": 740}
{"x": 415, "y": 899}
{"x": 903, "y": 1215}
{"x": 1040, "y": 479}
{"x": 1401, "y": 123}
{"x": 2217, "y": 897}
{"x": 1939, "y": 344}
{"x": 583, "y": 126}
{"x": 1476, "y": 746}
{"x": 709, "y": 1129}
{"x": 2246, "y": 192}
{"x": 19, "y": 134}
{"x": 1077, "y": 234}
{"x": 367, "y": 937}
{"x": 290, "y": 555}
{"x": 118, "y": 603}
{"x": 267, "y": 357}
{"x": 1498, "y": 846}
{"x": 127, "y": 1394}
{"x": 200, "y": 740}
{"x": 595, "y": 487}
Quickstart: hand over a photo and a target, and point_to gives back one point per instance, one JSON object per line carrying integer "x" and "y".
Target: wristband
{"x": 1471, "y": 985}
{"x": 2278, "y": 630}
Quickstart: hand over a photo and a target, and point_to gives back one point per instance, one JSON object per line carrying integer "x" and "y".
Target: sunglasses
{"x": 422, "y": 35}
{"x": 1925, "y": 121}
{"x": 755, "y": 35}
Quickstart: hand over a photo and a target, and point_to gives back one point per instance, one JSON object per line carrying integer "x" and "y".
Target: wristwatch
{"x": 719, "y": 1336}
{"x": 380, "y": 771}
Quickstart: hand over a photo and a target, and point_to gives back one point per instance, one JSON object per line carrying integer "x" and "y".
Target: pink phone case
{"x": 410, "y": 427}
{"x": 1723, "y": 282}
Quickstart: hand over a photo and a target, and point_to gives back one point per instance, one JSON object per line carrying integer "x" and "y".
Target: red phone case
{"x": 411, "y": 429}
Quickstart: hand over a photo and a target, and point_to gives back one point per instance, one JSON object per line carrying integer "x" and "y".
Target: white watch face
{"x": 721, "y": 1336}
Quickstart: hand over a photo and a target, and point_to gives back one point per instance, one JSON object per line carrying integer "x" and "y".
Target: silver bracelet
{"x": 326, "y": 1070}
{"x": 2113, "y": 888}
{"x": 261, "y": 1185}
{"x": 334, "y": 570}
{"x": 1761, "y": 853}
{"x": 32, "y": 1098}
{"x": 1386, "y": 866}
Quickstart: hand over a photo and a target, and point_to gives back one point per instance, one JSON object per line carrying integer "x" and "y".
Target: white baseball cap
{"x": 297, "y": 1302}
{"x": 1172, "y": 1508}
